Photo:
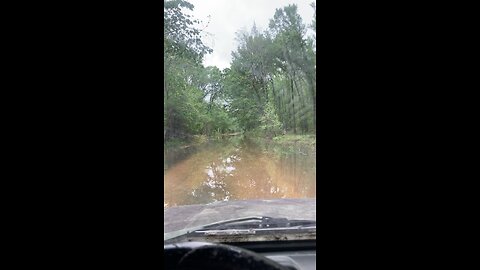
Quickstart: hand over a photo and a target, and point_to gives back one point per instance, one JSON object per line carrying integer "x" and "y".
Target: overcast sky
{"x": 229, "y": 16}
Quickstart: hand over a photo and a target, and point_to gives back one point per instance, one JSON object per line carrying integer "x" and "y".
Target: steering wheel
{"x": 199, "y": 255}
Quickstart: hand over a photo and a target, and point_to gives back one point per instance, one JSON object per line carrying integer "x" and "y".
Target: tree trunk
{"x": 314, "y": 103}
{"x": 293, "y": 106}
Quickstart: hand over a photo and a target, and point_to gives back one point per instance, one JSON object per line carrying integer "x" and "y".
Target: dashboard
{"x": 266, "y": 256}
{"x": 300, "y": 260}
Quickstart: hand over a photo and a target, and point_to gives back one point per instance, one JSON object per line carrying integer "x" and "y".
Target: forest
{"x": 268, "y": 91}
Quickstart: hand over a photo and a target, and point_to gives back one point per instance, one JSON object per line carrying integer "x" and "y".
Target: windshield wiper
{"x": 251, "y": 223}
{"x": 248, "y": 226}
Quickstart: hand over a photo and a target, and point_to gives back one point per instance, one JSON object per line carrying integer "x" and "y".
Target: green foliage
{"x": 181, "y": 37}
{"x": 314, "y": 22}
{"x": 269, "y": 90}
{"x": 270, "y": 123}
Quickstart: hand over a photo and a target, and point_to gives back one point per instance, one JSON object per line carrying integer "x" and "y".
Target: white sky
{"x": 229, "y": 16}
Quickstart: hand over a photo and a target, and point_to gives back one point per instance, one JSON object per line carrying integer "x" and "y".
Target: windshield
{"x": 239, "y": 119}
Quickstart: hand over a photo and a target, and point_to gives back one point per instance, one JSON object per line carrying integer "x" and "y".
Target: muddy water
{"x": 237, "y": 169}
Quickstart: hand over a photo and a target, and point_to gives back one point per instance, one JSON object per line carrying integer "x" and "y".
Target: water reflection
{"x": 237, "y": 170}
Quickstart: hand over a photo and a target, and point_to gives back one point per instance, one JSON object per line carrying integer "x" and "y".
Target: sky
{"x": 222, "y": 18}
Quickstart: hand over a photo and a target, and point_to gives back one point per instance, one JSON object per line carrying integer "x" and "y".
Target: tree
{"x": 270, "y": 86}
{"x": 294, "y": 51}
{"x": 270, "y": 123}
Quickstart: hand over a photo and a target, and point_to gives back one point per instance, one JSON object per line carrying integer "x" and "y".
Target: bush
{"x": 270, "y": 123}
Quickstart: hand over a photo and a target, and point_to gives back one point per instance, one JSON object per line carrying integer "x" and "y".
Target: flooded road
{"x": 237, "y": 169}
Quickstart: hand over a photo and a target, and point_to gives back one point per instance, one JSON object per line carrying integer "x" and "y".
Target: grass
{"x": 288, "y": 139}
{"x": 305, "y": 144}
{"x": 289, "y": 143}
{"x": 174, "y": 143}
{"x": 184, "y": 143}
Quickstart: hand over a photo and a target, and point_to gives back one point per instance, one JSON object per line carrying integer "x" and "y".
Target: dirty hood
{"x": 189, "y": 216}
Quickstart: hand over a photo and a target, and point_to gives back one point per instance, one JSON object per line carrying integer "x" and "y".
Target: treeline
{"x": 269, "y": 88}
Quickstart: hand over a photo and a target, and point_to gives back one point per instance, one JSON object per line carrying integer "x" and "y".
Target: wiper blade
{"x": 253, "y": 226}
{"x": 250, "y": 223}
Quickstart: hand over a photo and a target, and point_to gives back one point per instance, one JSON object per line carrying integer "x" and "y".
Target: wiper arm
{"x": 246, "y": 226}
{"x": 250, "y": 223}
{"x": 254, "y": 225}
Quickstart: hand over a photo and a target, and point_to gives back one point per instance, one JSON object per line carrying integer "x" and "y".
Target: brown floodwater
{"x": 237, "y": 169}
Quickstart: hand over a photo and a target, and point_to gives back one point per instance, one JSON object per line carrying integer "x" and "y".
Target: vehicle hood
{"x": 188, "y": 216}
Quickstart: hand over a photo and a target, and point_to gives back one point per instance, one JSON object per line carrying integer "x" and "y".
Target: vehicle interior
{"x": 276, "y": 255}
{"x": 244, "y": 243}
